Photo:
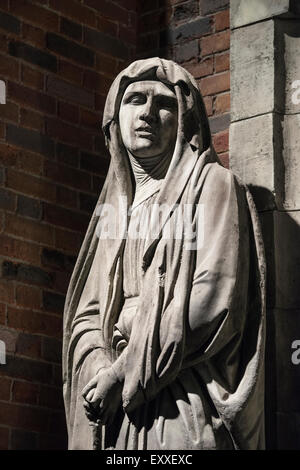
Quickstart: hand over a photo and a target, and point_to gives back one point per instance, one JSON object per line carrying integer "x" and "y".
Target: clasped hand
{"x": 102, "y": 396}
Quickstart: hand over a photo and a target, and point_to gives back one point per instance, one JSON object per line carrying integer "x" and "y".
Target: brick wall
{"x": 57, "y": 58}
{"x": 194, "y": 33}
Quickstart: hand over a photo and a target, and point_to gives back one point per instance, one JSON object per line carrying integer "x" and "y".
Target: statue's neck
{"x": 148, "y": 169}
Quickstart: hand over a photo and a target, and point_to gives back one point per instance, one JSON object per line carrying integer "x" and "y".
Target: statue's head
{"x": 151, "y": 105}
{"x": 148, "y": 118}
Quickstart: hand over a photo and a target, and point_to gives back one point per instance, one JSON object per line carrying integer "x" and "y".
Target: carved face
{"x": 148, "y": 118}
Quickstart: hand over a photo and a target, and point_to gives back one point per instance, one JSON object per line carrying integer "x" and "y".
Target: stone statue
{"x": 164, "y": 316}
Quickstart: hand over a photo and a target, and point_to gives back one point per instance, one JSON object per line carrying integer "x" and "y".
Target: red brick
{"x": 109, "y": 10}
{"x": 107, "y": 26}
{"x": 4, "y": 438}
{"x": 30, "y": 140}
{"x": 62, "y": 280}
{"x": 68, "y": 241}
{"x": 51, "y": 397}
{"x": 201, "y": 69}
{"x": 106, "y": 65}
{"x": 8, "y": 155}
{"x": 149, "y": 42}
{"x": 25, "y": 392}
{"x": 9, "y": 336}
{"x": 9, "y": 67}
{"x": 71, "y": 29}
{"x": 222, "y": 62}
{"x": 29, "y": 229}
{"x": 70, "y": 134}
{"x": 65, "y": 218}
{"x": 18, "y": 249}
{"x": 9, "y": 112}
{"x": 31, "y": 98}
{"x": 53, "y": 442}
{"x": 7, "y": 292}
{"x": 69, "y": 92}
{"x": 2, "y": 318}
{"x": 95, "y": 81}
{"x": 2, "y": 130}
{"x": 224, "y": 157}
{"x": 133, "y": 18}
{"x": 68, "y": 112}
{"x": 30, "y": 185}
{"x": 32, "y": 77}
{"x": 28, "y": 296}
{"x": 74, "y": 10}
{"x": 31, "y": 162}
{"x": 34, "y": 322}
{"x": 221, "y": 141}
{"x": 208, "y": 101}
{"x": 3, "y": 43}
{"x": 222, "y": 103}
{"x": 91, "y": 120}
{"x": 215, "y": 84}
{"x": 129, "y": 4}
{"x": 215, "y": 43}
{"x": 100, "y": 102}
{"x": 222, "y": 20}
{"x": 24, "y": 417}
{"x": 66, "y": 197}
{"x": 98, "y": 182}
{"x": 33, "y": 35}
{"x": 67, "y": 176}
{"x": 153, "y": 22}
{"x": 29, "y": 345}
{"x": 34, "y": 14}
{"x": 70, "y": 72}
{"x": 5, "y": 5}
{"x": 127, "y": 35}
{"x": 5, "y": 387}
{"x": 31, "y": 120}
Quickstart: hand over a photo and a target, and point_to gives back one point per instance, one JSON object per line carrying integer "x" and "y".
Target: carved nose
{"x": 148, "y": 112}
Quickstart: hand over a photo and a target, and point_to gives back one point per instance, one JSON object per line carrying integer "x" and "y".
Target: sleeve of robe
{"x": 214, "y": 325}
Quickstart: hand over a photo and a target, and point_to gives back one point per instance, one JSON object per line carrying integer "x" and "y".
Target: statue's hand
{"x": 102, "y": 396}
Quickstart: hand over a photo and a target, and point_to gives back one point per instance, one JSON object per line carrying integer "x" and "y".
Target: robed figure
{"x": 164, "y": 316}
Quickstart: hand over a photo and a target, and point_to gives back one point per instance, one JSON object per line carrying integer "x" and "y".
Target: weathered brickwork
{"x": 58, "y": 59}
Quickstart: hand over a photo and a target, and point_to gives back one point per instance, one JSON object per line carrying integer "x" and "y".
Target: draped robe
{"x": 194, "y": 368}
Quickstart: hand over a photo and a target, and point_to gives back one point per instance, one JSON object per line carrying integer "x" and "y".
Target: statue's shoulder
{"x": 219, "y": 174}
{"x": 219, "y": 181}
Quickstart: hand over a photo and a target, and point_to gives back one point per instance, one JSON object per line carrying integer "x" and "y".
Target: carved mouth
{"x": 146, "y": 130}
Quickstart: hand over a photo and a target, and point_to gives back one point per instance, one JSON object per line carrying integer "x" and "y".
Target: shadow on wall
{"x": 281, "y": 233}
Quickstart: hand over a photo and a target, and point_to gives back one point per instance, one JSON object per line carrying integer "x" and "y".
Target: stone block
{"x": 287, "y": 328}
{"x": 288, "y": 58}
{"x": 291, "y": 163}
{"x": 252, "y": 70}
{"x": 244, "y": 12}
{"x": 288, "y": 429}
{"x": 287, "y": 259}
{"x": 252, "y": 157}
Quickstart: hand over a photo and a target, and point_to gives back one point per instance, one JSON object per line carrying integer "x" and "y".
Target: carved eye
{"x": 165, "y": 102}
{"x": 135, "y": 98}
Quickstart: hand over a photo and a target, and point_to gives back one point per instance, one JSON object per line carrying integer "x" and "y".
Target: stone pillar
{"x": 265, "y": 153}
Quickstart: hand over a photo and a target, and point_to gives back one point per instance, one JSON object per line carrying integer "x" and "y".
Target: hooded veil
{"x": 205, "y": 381}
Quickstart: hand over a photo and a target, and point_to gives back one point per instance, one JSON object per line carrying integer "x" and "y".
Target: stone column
{"x": 265, "y": 153}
